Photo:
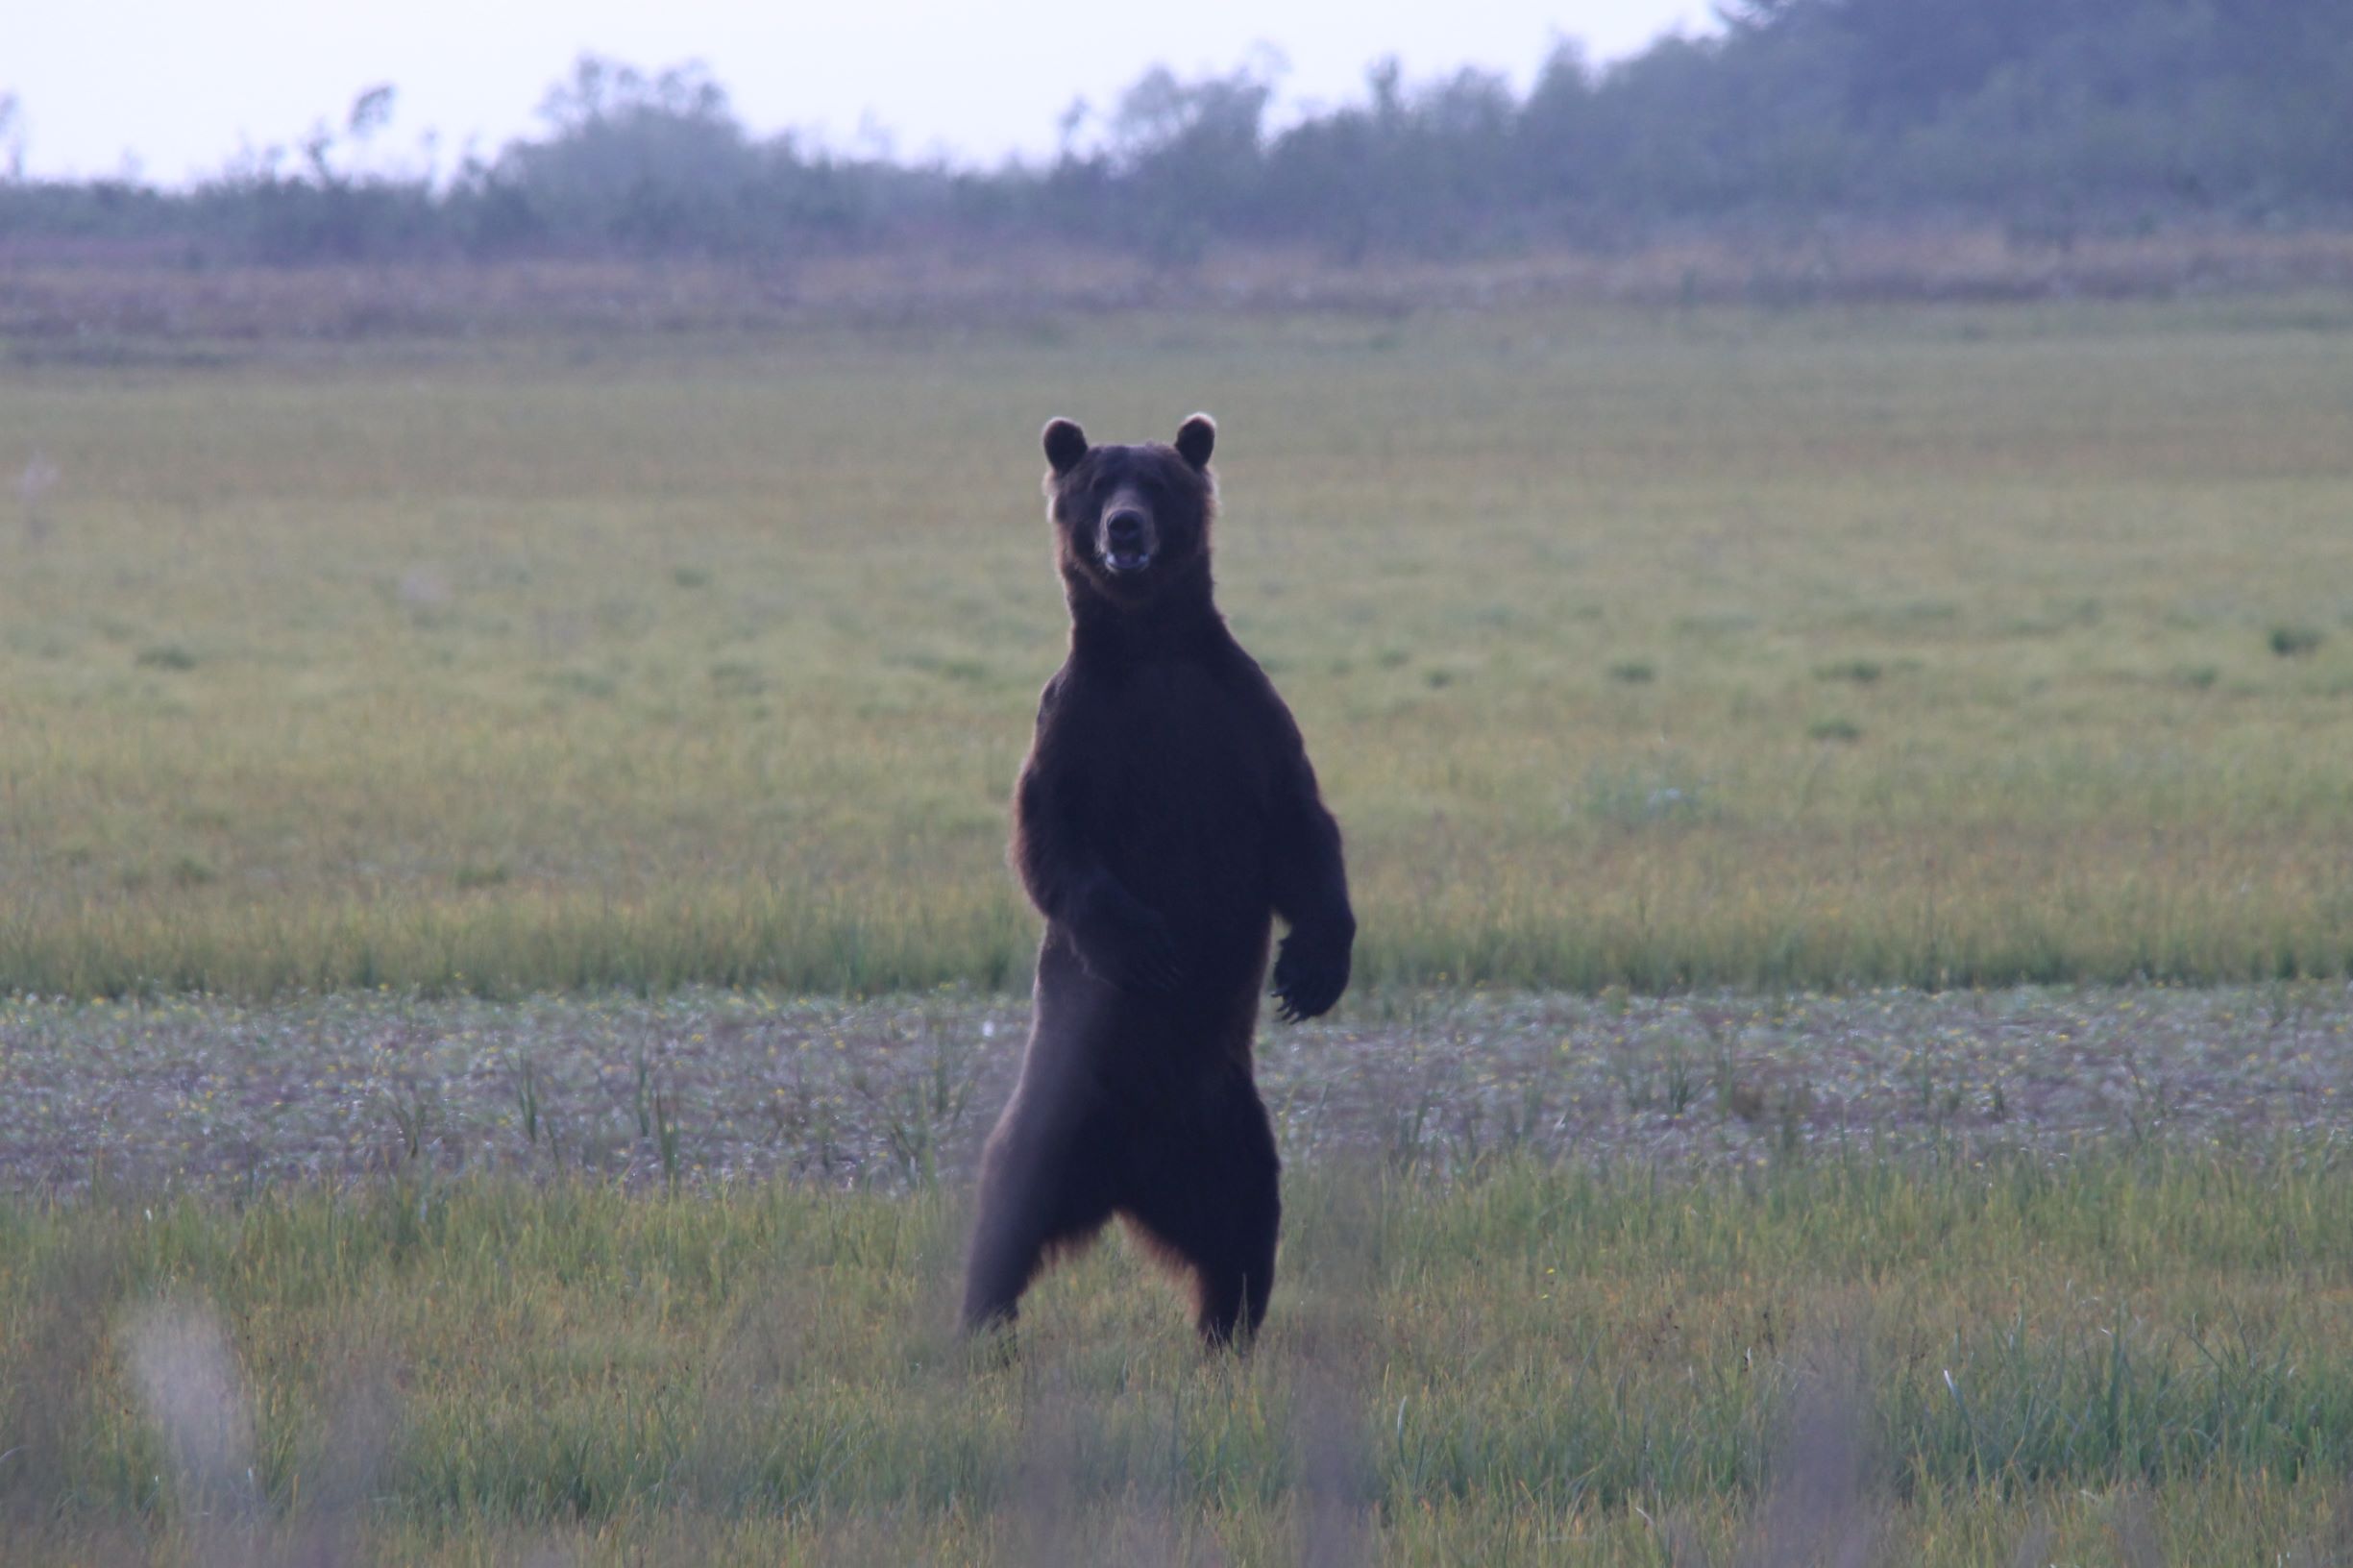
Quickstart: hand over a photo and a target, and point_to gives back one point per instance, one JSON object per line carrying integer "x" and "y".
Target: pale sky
{"x": 174, "y": 89}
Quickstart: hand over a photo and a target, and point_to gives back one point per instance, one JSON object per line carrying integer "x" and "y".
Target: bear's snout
{"x": 1128, "y": 539}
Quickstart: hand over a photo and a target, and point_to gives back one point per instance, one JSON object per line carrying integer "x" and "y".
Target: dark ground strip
{"x": 709, "y": 1087}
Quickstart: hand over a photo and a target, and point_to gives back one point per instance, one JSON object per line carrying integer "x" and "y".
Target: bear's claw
{"x": 1307, "y": 982}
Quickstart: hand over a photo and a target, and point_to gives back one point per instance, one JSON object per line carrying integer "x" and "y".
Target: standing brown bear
{"x": 1166, "y": 813}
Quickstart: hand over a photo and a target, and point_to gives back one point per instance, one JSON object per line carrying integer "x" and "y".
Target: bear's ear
{"x": 1194, "y": 439}
{"x": 1064, "y": 444}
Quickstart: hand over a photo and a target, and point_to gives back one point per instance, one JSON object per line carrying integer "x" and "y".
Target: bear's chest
{"x": 1183, "y": 770}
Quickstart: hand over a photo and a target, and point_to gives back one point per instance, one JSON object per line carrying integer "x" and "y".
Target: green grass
{"x": 637, "y": 661}
{"x": 390, "y": 692}
{"x": 1941, "y": 1354}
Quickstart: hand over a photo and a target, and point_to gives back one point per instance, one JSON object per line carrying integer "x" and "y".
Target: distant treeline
{"x": 2054, "y": 116}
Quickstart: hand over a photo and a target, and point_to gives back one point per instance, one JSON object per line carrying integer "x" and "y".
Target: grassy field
{"x": 1827, "y": 648}
{"x": 506, "y": 955}
{"x": 2089, "y": 1306}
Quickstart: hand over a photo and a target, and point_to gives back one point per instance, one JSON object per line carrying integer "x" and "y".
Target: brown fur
{"x": 1165, "y": 816}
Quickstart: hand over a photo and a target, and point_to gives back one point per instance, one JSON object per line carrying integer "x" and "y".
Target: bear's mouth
{"x": 1125, "y": 562}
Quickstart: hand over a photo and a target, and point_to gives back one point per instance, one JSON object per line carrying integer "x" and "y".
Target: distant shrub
{"x": 1862, "y": 672}
{"x": 166, "y": 656}
{"x": 1834, "y": 729}
{"x": 1632, "y": 672}
{"x": 2294, "y": 642}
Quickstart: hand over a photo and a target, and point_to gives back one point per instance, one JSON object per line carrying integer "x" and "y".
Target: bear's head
{"x": 1132, "y": 523}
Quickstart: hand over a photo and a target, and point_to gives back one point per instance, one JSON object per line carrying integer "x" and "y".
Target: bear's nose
{"x": 1124, "y": 529}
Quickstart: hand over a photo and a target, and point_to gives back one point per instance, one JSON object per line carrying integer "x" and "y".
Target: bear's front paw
{"x": 1131, "y": 948}
{"x": 1310, "y": 976}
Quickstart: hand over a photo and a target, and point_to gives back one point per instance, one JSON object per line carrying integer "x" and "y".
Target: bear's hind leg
{"x": 1216, "y": 1210}
{"x": 1036, "y": 1197}
{"x": 1232, "y": 1288}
